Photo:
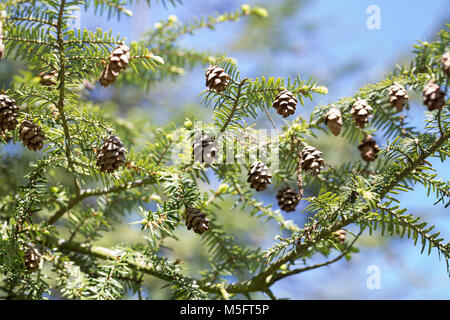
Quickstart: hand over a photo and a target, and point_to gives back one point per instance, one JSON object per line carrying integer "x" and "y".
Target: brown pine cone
{"x": 32, "y": 259}
{"x": 445, "y": 60}
{"x": 340, "y": 236}
{"x": 288, "y": 199}
{"x": 285, "y": 103}
{"x": 312, "y": 160}
{"x": 361, "y": 111}
{"x": 259, "y": 176}
{"x": 8, "y": 113}
{"x": 433, "y": 96}
{"x": 369, "y": 149}
{"x": 216, "y": 78}
{"x": 398, "y": 96}
{"x": 204, "y": 148}
{"x": 111, "y": 155}
{"x": 333, "y": 120}
{"x": 31, "y": 135}
{"x": 196, "y": 220}
{"x": 118, "y": 61}
{"x": 48, "y": 78}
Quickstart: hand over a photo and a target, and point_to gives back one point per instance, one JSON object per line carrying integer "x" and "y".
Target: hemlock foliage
{"x": 65, "y": 222}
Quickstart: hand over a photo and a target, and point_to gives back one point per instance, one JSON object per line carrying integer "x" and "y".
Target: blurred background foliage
{"x": 326, "y": 39}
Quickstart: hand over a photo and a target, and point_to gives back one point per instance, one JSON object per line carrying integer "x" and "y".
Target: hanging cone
{"x": 433, "y": 96}
{"x": 8, "y": 113}
{"x": 32, "y": 259}
{"x": 111, "y": 155}
{"x": 369, "y": 149}
{"x": 361, "y": 111}
{"x": 216, "y": 78}
{"x": 333, "y": 120}
{"x": 204, "y": 148}
{"x": 259, "y": 176}
{"x": 285, "y": 103}
{"x": 288, "y": 199}
{"x": 445, "y": 60}
{"x": 196, "y": 220}
{"x": 31, "y": 135}
{"x": 398, "y": 96}
{"x": 312, "y": 160}
{"x": 118, "y": 61}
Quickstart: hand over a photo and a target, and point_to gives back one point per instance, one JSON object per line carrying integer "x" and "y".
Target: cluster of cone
{"x": 361, "y": 111}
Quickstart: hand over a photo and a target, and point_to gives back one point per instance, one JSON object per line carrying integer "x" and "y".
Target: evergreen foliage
{"x": 66, "y": 221}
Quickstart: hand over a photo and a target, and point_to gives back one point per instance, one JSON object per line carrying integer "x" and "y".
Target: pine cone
{"x": 32, "y": 259}
{"x": 259, "y": 176}
{"x": 48, "y": 78}
{"x": 285, "y": 103}
{"x": 312, "y": 160}
{"x": 31, "y": 135}
{"x": 8, "y": 113}
{"x": 216, "y": 78}
{"x": 340, "y": 236}
{"x": 369, "y": 149}
{"x": 433, "y": 96}
{"x": 333, "y": 119}
{"x": 204, "y": 148}
{"x": 118, "y": 61}
{"x": 288, "y": 199}
{"x": 445, "y": 60}
{"x": 111, "y": 155}
{"x": 398, "y": 96}
{"x": 361, "y": 111}
{"x": 196, "y": 220}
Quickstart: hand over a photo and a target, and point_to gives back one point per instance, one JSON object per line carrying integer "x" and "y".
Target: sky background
{"x": 329, "y": 40}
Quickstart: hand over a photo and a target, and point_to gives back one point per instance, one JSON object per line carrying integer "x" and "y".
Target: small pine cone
{"x": 196, "y": 220}
{"x": 216, "y": 78}
{"x": 369, "y": 149}
{"x": 259, "y": 176}
{"x": 312, "y": 160}
{"x": 333, "y": 119}
{"x": 433, "y": 96}
{"x": 285, "y": 103}
{"x": 288, "y": 199}
{"x": 111, "y": 155}
{"x": 32, "y": 259}
{"x": 48, "y": 78}
{"x": 340, "y": 236}
{"x": 8, "y": 113}
{"x": 361, "y": 111}
{"x": 204, "y": 148}
{"x": 398, "y": 96}
{"x": 118, "y": 61}
{"x": 445, "y": 60}
{"x": 31, "y": 135}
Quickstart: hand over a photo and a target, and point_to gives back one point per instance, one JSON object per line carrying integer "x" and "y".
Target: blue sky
{"x": 341, "y": 40}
